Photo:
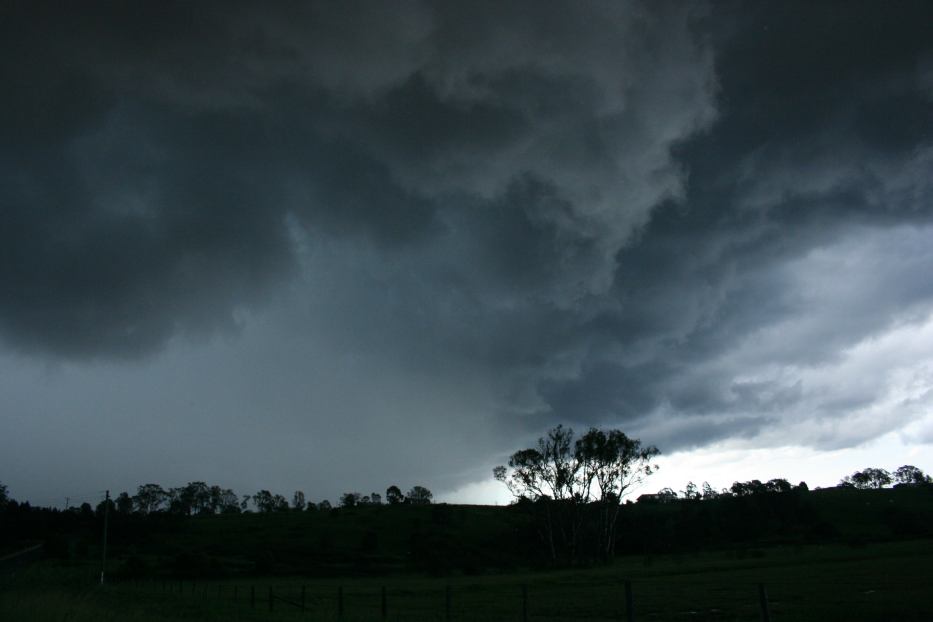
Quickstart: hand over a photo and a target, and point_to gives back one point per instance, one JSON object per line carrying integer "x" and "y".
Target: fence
{"x": 628, "y": 601}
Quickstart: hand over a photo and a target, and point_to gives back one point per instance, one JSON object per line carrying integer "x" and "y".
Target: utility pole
{"x": 103, "y": 560}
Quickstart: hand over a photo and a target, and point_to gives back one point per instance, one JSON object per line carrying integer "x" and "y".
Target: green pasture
{"x": 883, "y": 581}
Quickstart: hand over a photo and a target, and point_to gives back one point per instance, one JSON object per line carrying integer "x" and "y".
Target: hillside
{"x": 444, "y": 539}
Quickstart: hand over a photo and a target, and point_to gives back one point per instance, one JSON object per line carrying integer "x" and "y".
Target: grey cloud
{"x": 672, "y": 217}
{"x": 198, "y": 133}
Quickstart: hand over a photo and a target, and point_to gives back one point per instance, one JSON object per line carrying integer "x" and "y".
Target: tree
{"x": 691, "y": 492}
{"x": 419, "y": 495}
{"x": 298, "y": 501}
{"x": 4, "y": 495}
{"x": 375, "y": 498}
{"x": 615, "y": 463}
{"x": 778, "y": 485}
{"x": 871, "y": 478}
{"x": 324, "y": 505}
{"x": 350, "y": 499}
{"x": 598, "y": 469}
{"x": 193, "y": 498}
{"x": 910, "y": 475}
{"x": 394, "y": 495}
{"x": 546, "y": 471}
{"x": 751, "y": 487}
{"x": 279, "y": 503}
{"x": 124, "y": 503}
{"x": 264, "y": 501}
{"x": 149, "y": 498}
{"x": 224, "y": 500}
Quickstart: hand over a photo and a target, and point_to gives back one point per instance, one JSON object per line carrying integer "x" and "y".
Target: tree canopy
{"x": 577, "y": 486}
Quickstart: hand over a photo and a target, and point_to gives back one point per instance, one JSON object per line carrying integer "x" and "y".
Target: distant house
{"x": 665, "y": 495}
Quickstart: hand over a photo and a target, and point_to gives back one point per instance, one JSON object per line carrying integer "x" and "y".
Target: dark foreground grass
{"x": 889, "y": 581}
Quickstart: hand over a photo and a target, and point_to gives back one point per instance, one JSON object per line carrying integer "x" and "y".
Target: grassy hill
{"x": 824, "y": 554}
{"x": 458, "y": 539}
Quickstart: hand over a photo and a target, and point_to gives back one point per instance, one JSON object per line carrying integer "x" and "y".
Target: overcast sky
{"x": 338, "y": 246}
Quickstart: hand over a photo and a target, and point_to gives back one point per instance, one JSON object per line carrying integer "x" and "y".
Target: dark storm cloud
{"x": 604, "y": 213}
{"x": 157, "y": 151}
{"x": 823, "y": 135}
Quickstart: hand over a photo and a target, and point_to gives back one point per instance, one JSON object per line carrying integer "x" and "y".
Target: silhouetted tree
{"x": 547, "y": 471}
{"x": 867, "y": 479}
{"x": 193, "y": 498}
{"x": 615, "y": 463}
{"x": 324, "y": 505}
{"x": 375, "y": 498}
{"x": 4, "y": 495}
{"x": 744, "y": 489}
{"x": 149, "y": 498}
{"x": 419, "y": 495}
{"x": 394, "y": 495}
{"x": 279, "y": 503}
{"x": 264, "y": 501}
{"x": 124, "y": 503}
{"x": 691, "y": 491}
{"x": 911, "y": 476}
{"x": 709, "y": 492}
{"x": 224, "y": 500}
{"x": 298, "y": 501}
{"x": 598, "y": 468}
{"x": 350, "y": 499}
{"x": 778, "y": 485}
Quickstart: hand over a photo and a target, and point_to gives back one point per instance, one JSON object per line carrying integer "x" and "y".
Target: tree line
{"x": 574, "y": 488}
{"x": 872, "y": 478}
{"x": 199, "y": 498}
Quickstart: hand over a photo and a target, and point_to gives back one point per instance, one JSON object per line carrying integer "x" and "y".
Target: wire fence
{"x": 628, "y": 601}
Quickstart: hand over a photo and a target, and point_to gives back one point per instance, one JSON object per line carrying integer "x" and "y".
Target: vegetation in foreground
{"x": 884, "y": 581}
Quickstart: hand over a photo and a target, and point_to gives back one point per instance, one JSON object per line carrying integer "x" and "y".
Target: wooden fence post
{"x": 763, "y": 603}
{"x": 629, "y": 603}
{"x": 524, "y": 603}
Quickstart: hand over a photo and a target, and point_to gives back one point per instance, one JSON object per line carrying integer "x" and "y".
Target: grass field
{"x": 885, "y": 581}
